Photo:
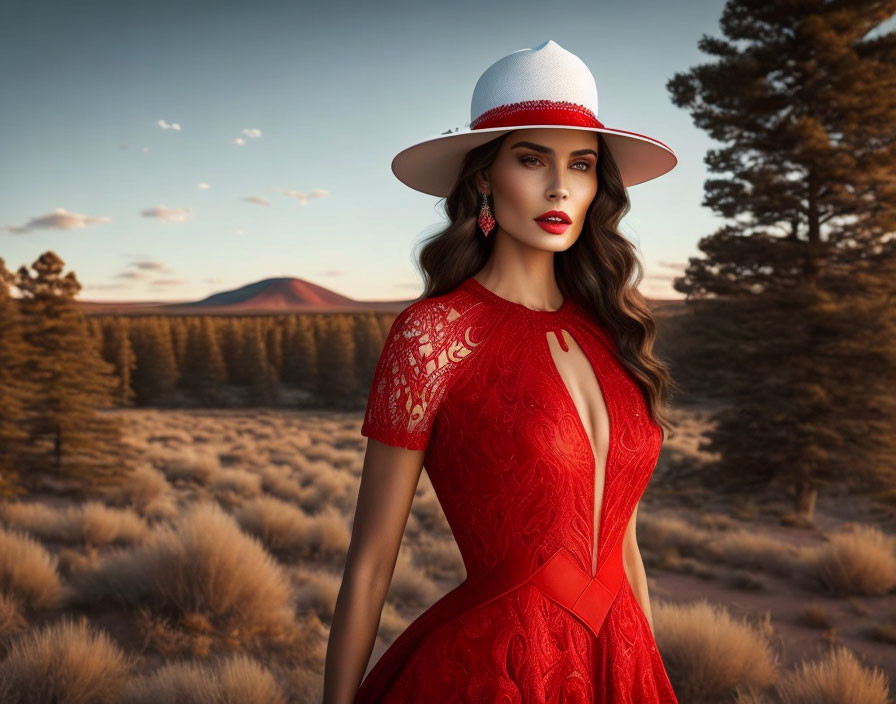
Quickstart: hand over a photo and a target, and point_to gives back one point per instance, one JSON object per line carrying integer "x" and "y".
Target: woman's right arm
{"x": 389, "y": 480}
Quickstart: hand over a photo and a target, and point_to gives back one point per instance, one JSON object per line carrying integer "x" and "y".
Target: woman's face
{"x": 537, "y": 171}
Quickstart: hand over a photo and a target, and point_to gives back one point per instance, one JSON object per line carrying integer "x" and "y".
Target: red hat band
{"x": 537, "y": 112}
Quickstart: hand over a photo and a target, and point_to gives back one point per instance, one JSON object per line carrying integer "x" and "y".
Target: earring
{"x": 486, "y": 220}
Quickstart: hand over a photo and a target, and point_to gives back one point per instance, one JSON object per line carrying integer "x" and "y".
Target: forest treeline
{"x": 60, "y": 369}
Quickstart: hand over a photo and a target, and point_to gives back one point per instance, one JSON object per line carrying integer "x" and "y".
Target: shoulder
{"x": 438, "y": 330}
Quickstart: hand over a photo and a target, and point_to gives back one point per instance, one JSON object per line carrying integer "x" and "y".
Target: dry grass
{"x": 660, "y": 534}
{"x": 92, "y": 523}
{"x": 203, "y": 564}
{"x": 12, "y": 621}
{"x": 237, "y": 679}
{"x": 64, "y": 662}
{"x": 747, "y": 548}
{"x": 410, "y": 586}
{"x": 28, "y": 571}
{"x": 290, "y": 532}
{"x": 708, "y": 654}
{"x": 861, "y": 561}
{"x": 835, "y": 679}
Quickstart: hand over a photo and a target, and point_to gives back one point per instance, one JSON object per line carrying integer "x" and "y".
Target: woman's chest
{"x": 555, "y": 389}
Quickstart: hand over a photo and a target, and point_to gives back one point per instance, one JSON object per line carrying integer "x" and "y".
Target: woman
{"x": 524, "y": 381}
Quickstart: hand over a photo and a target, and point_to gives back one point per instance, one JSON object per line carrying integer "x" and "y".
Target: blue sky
{"x": 322, "y": 96}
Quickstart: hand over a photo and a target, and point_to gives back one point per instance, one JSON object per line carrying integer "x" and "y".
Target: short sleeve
{"x": 409, "y": 380}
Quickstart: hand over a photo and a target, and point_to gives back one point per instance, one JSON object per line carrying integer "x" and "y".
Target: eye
{"x": 527, "y": 160}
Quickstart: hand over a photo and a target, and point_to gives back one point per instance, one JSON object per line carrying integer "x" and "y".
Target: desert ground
{"x": 213, "y": 571}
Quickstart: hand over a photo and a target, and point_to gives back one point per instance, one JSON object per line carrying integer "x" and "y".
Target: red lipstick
{"x": 557, "y": 224}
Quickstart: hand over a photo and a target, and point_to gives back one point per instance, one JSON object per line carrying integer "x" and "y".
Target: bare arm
{"x": 388, "y": 481}
{"x": 634, "y": 567}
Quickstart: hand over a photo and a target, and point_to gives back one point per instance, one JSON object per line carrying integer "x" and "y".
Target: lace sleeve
{"x": 410, "y": 378}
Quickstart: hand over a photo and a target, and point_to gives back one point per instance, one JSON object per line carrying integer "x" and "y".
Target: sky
{"x": 168, "y": 151}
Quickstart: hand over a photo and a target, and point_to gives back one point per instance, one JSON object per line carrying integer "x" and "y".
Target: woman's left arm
{"x": 634, "y": 567}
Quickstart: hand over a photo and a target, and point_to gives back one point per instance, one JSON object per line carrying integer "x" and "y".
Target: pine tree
{"x": 15, "y": 390}
{"x": 805, "y": 102}
{"x": 66, "y": 433}
{"x": 260, "y": 375}
{"x": 156, "y": 374}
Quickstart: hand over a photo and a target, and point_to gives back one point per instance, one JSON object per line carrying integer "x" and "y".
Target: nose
{"x": 557, "y": 188}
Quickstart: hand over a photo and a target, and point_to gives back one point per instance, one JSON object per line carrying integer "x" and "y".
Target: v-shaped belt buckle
{"x": 589, "y": 598}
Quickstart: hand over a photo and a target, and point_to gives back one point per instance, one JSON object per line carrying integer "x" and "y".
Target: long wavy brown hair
{"x": 600, "y": 271}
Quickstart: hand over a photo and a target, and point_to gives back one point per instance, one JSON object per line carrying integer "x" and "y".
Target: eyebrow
{"x": 548, "y": 150}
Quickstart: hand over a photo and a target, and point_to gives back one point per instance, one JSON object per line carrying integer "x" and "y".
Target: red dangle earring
{"x": 486, "y": 220}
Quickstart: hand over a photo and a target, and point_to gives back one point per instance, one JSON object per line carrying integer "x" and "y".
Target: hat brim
{"x": 433, "y": 165}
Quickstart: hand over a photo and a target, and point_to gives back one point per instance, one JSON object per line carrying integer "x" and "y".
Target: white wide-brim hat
{"x": 543, "y": 87}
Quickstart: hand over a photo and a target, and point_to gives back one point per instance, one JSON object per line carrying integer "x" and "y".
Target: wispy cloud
{"x": 258, "y": 200}
{"x": 239, "y": 141}
{"x": 303, "y": 198}
{"x": 166, "y": 214}
{"x": 169, "y": 282}
{"x": 59, "y": 219}
{"x": 151, "y": 265}
{"x": 203, "y": 186}
{"x": 168, "y": 125}
{"x": 142, "y": 269}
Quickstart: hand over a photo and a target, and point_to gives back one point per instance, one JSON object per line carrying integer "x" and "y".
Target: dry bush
{"x": 288, "y": 531}
{"x": 392, "y": 623}
{"x": 92, "y": 523}
{"x": 143, "y": 486}
{"x": 835, "y": 679}
{"x": 235, "y": 679}
{"x": 441, "y": 559}
{"x": 323, "y": 485}
{"x": 660, "y": 534}
{"x": 28, "y": 571}
{"x": 410, "y": 586}
{"x": 187, "y": 463}
{"x": 814, "y": 615}
{"x": 861, "y": 561}
{"x": 430, "y": 516}
{"x": 316, "y": 592}
{"x": 746, "y": 548}
{"x": 238, "y": 481}
{"x": 64, "y": 662}
{"x": 708, "y": 653}
{"x": 279, "y": 482}
{"x": 203, "y": 564}
{"x": 11, "y": 620}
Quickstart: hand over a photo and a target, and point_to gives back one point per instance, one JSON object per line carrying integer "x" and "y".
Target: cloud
{"x": 168, "y": 125}
{"x": 105, "y": 287}
{"x": 144, "y": 148}
{"x": 203, "y": 186}
{"x": 141, "y": 269}
{"x": 166, "y": 214}
{"x": 59, "y": 219}
{"x": 213, "y": 281}
{"x": 150, "y": 265}
{"x": 251, "y": 132}
{"x": 258, "y": 200}
{"x": 239, "y": 141}
{"x": 169, "y": 282}
{"x": 304, "y": 197}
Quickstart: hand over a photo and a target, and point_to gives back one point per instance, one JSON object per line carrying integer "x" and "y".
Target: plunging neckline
{"x": 556, "y": 321}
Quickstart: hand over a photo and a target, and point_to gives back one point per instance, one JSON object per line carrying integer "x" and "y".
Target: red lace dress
{"x": 538, "y": 496}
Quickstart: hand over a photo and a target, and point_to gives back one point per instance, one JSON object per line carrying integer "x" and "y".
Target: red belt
{"x": 560, "y": 578}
